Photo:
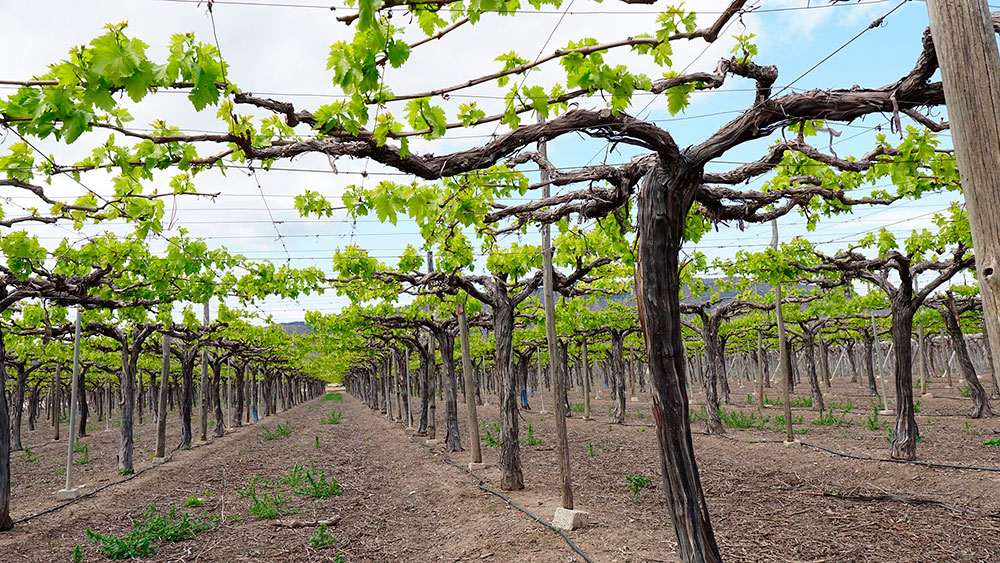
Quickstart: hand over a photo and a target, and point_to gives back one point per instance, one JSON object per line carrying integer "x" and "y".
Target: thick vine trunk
{"x": 817, "y": 393}
{"x": 980, "y": 400}
{"x": 220, "y": 423}
{"x": 713, "y": 422}
{"x": 511, "y": 476}
{"x": 869, "y": 343}
{"x": 664, "y": 201}
{"x": 186, "y": 401}
{"x": 127, "y": 407}
{"x": 81, "y": 385}
{"x": 905, "y": 435}
{"x": 618, "y": 374}
{"x": 852, "y": 361}
{"x": 824, "y": 361}
{"x": 452, "y": 438}
{"x": 6, "y": 522}
{"x": 238, "y": 414}
{"x": 18, "y": 407}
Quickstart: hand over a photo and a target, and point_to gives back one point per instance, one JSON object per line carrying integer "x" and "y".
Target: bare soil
{"x": 402, "y": 502}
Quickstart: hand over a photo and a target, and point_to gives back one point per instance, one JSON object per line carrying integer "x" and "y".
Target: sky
{"x": 279, "y": 49}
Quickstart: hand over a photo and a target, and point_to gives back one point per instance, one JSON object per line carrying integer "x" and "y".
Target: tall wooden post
{"x": 966, "y": 49}
{"x": 69, "y": 491}
{"x": 161, "y": 421}
{"x": 555, "y": 370}
{"x": 783, "y": 357}
{"x": 470, "y": 392}
{"x": 762, "y": 370}
{"x": 56, "y": 400}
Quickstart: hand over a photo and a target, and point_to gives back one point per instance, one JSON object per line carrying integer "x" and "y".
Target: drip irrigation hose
{"x": 479, "y": 483}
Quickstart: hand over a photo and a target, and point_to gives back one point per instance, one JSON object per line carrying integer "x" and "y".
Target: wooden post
{"x": 409, "y": 388}
{"x": 470, "y": 392}
{"x": 69, "y": 491}
{"x": 762, "y": 369}
{"x": 161, "y": 421}
{"x": 56, "y": 400}
{"x": 783, "y": 359}
{"x": 555, "y": 370}
{"x": 881, "y": 369}
{"x": 923, "y": 360}
{"x": 966, "y": 49}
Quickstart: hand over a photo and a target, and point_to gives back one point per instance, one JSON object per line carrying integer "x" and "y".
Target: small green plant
{"x": 147, "y": 531}
{"x": 749, "y": 399}
{"x": 529, "y": 437}
{"x": 487, "y": 437}
{"x": 737, "y": 419}
{"x": 590, "y": 450}
{"x": 278, "y": 432}
{"x": 317, "y": 441}
{"x": 322, "y": 538}
{"x": 332, "y": 418}
{"x": 800, "y": 430}
{"x": 193, "y": 500}
{"x": 264, "y": 505}
{"x": 968, "y": 430}
{"x": 29, "y": 457}
{"x": 335, "y": 397}
{"x": 916, "y": 407}
{"x": 311, "y": 482}
{"x": 696, "y": 415}
{"x": 636, "y": 483}
{"x": 368, "y": 438}
{"x": 576, "y": 407}
{"x": 846, "y": 405}
{"x": 827, "y": 418}
{"x": 77, "y": 556}
{"x": 992, "y": 442}
{"x": 964, "y": 391}
{"x": 779, "y": 421}
{"x": 84, "y": 457}
{"x": 872, "y": 421}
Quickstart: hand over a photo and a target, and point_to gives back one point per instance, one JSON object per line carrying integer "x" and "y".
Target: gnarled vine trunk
{"x": 618, "y": 373}
{"x": 810, "y": 352}
{"x": 980, "y": 400}
{"x": 664, "y": 201}
{"x": 906, "y": 434}
{"x": 452, "y": 439}
{"x": 511, "y": 476}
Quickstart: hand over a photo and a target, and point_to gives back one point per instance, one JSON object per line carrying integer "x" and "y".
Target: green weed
{"x": 84, "y": 451}
{"x": 264, "y": 505}
{"x": 487, "y": 437}
{"x": 636, "y": 483}
{"x": 311, "y": 482}
{"x": 193, "y": 500}
{"x": 964, "y": 391}
{"x": 278, "y": 432}
{"x": 590, "y": 450}
{"x": 992, "y": 442}
{"x": 827, "y": 418}
{"x": 322, "y": 538}
{"x": 332, "y": 418}
{"x": 317, "y": 442}
{"x": 29, "y": 457}
{"x": 335, "y": 397}
{"x": 576, "y": 407}
{"x": 529, "y": 437}
{"x": 737, "y": 419}
{"x": 148, "y": 531}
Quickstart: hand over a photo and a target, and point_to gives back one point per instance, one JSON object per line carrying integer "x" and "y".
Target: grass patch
{"x": 148, "y": 531}
{"x": 264, "y": 505}
{"x": 737, "y": 419}
{"x": 332, "y": 418}
{"x": 964, "y": 391}
{"x": 792, "y": 401}
{"x": 827, "y": 418}
{"x": 992, "y": 442}
{"x": 576, "y": 407}
{"x": 311, "y": 482}
{"x": 335, "y": 397}
{"x": 278, "y": 432}
{"x": 193, "y": 500}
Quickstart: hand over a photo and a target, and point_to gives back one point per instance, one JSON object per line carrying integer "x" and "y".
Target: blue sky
{"x": 281, "y": 51}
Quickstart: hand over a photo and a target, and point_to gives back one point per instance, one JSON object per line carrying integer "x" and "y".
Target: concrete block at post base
{"x": 434, "y": 442}
{"x": 473, "y": 466}
{"x": 792, "y": 443}
{"x": 569, "y": 519}
{"x": 927, "y": 396}
{"x": 70, "y": 494}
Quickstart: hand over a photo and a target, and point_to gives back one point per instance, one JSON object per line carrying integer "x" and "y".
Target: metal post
{"x": 881, "y": 371}
{"x": 69, "y": 491}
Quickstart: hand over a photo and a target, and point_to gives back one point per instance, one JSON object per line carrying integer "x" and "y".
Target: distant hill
{"x": 297, "y": 327}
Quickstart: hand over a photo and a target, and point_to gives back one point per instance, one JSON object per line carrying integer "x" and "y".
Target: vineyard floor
{"x": 401, "y": 502}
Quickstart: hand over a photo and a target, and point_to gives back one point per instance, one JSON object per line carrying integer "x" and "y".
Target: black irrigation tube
{"x": 861, "y": 457}
{"x": 479, "y": 483}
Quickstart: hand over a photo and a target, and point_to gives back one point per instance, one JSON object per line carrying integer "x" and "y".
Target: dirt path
{"x": 398, "y": 502}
